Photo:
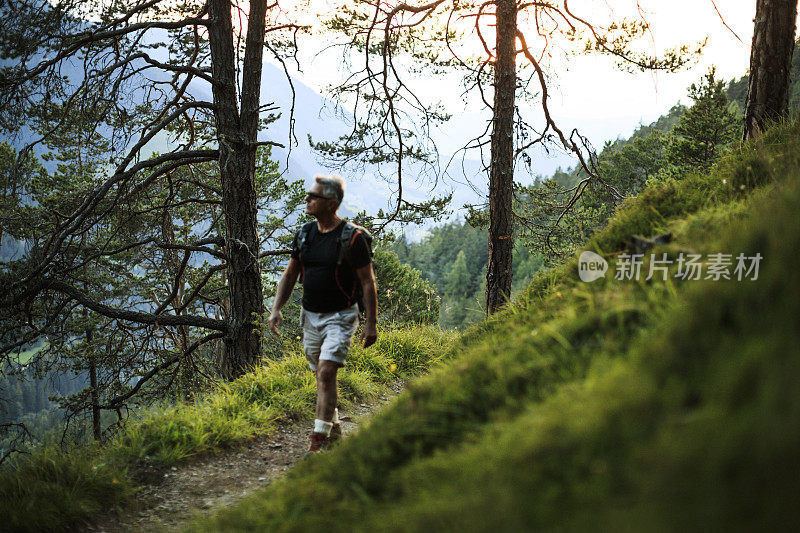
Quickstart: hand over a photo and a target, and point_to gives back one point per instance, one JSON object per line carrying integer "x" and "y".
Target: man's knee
{"x": 326, "y": 371}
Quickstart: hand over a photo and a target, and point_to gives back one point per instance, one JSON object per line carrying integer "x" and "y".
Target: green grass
{"x": 280, "y": 391}
{"x": 49, "y": 490}
{"x": 605, "y": 406}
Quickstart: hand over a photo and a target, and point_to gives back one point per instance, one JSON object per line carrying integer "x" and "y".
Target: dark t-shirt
{"x": 327, "y": 288}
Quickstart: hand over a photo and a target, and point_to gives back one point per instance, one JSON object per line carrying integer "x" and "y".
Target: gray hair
{"x": 332, "y": 185}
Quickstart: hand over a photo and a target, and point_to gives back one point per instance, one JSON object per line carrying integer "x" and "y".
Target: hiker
{"x": 333, "y": 258}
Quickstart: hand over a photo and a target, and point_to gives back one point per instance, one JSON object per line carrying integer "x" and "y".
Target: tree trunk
{"x": 501, "y": 176}
{"x": 96, "y": 429}
{"x": 94, "y": 393}
{"x": 770, "y": 63}
{"x": 237, "y": 150}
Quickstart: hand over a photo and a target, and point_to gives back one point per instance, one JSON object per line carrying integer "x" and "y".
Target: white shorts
{"x": 327, "y": 336}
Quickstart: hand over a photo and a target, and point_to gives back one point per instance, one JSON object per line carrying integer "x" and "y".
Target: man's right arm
{"x": 282, "y": 293}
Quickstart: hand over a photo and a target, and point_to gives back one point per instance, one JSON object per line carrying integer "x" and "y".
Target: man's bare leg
{"x": 327, "y": 395}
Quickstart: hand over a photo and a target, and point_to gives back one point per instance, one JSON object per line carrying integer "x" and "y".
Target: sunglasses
{"x": 310, "y": 194}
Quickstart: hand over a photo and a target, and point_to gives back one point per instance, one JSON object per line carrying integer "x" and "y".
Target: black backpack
{"x": 349, "y": 233}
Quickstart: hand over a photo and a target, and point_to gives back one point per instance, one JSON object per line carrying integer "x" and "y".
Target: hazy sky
{"x": 587, "y": 92}
{"x": 615, "y": 94}
{"x": 593, "y": 95}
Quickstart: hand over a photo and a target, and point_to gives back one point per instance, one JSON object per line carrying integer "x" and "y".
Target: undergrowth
{"x": 615, "y": 405}
{"x": 52, "y": 490}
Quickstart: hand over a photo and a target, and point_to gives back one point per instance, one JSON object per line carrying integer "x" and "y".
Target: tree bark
{"x": 94, "y": 393}
{"x": 770, "y": 64}
{"x": 501, "y": 175}
{"x": 95, "y": 387}
{"x": 237, "y": 150}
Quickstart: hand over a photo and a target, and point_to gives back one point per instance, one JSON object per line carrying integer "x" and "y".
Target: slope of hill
{"x": 661, "y": 404}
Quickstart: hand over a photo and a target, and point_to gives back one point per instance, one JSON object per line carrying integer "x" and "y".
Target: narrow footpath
{"x": 172, "y": 496}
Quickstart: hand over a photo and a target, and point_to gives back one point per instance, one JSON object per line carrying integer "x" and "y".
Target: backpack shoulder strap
{"x": 302, "y": 236}
{"x": 348, "y": 236}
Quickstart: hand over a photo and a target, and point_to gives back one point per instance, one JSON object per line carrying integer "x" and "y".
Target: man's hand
{"x": 370, "y": 334}
{"x": 366, "y": 275}
{"x": 275, "y": 321}
{"x": 282, "y": 293}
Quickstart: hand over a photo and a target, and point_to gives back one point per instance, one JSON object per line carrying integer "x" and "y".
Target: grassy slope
{"x": 52, "y": 491}
{"x": 617, "y": 405}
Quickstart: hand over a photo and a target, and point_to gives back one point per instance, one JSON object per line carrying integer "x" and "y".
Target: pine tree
{"x": 458, "y": 278}
{"x": 457, "y": 282}
{"x": 434, "y": 34}
{"x": 705, "y": 130}
{"x": 114, "y": 69}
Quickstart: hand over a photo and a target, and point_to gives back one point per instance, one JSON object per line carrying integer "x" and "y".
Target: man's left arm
{"x": 366, "y": 276}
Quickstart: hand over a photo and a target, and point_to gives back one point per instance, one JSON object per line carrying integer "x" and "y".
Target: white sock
{"x": 335, "y": 416}
{"x": 320, "y": 426}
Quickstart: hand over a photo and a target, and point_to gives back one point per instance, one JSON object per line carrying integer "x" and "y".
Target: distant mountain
{"x": 317, "y": 116}
{"x": 11, "y": 249}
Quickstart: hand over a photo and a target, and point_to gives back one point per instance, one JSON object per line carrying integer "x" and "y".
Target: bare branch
{"x": 120, "y": 314}
{"x": 82, "y": 40}
{"x": 117, "y": 401}
{"x": 713, "y": 3}
{"x": 268, "y": 253}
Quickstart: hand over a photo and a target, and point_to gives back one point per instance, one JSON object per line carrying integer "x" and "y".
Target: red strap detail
{"x": 338, "y": 284}
{"x": 352, "y": 240}
{"x": 352, "y": 294}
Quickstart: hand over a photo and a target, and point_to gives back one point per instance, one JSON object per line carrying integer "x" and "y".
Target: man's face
{"x": 318, "y": 203}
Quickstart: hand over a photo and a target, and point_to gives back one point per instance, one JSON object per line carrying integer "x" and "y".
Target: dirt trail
{"x": 173, "y": 495}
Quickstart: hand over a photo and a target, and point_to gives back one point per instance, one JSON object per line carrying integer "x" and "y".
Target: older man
{"x": 334, "y": 259}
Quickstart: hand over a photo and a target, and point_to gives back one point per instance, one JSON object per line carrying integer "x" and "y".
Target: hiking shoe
{"x": 336, "y": 432}
{"x": 318, "y": 443}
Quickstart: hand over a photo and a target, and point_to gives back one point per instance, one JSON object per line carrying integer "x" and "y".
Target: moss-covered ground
{"x": 661, "y": 404}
